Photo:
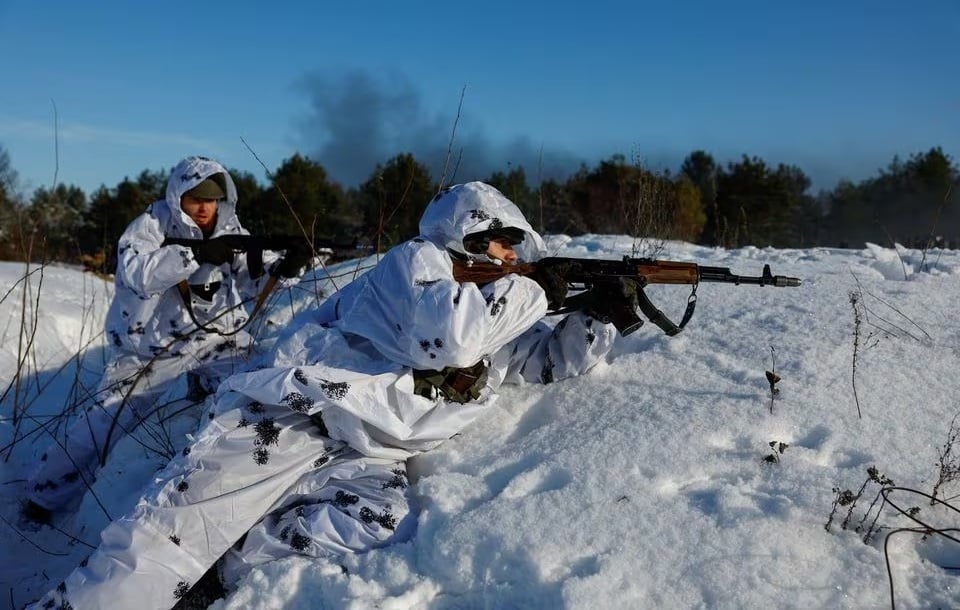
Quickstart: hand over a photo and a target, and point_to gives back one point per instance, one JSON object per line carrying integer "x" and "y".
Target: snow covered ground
{"x": 659, "y": 480}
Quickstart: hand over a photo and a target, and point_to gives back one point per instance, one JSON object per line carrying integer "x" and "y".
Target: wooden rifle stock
{"x": 484, "y": 273}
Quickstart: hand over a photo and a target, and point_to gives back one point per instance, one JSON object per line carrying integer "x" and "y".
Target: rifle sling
{"x": 660, "y": 319}
{"x": 184, "y": 289}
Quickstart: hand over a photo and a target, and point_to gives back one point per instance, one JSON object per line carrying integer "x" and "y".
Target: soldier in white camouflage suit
{"x": 153, "y": 336}
{"x": 306, "y": 456}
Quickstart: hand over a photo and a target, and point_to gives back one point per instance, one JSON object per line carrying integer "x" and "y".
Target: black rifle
{"x": 605, "y": 275}
{"x": 254, "y": 245}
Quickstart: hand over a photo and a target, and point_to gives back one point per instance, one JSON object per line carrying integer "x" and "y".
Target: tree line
{"x": 745, "y": 202}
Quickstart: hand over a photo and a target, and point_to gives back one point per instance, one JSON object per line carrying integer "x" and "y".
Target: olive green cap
{"x": 208, "y": 189}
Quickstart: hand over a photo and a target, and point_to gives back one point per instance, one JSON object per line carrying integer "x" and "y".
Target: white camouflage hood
{"x": 190, "y": 172}
{"x": 473, "y": 207}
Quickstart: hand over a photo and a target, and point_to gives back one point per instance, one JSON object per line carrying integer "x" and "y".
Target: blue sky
{"x": 837, "y": 88}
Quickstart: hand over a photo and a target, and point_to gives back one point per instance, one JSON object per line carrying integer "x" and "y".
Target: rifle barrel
{"x": 723, "y": 274}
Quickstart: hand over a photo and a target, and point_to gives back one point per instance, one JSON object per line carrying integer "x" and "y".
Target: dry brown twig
{"x": 857, "y": 320}
{"x": 646, "y": 214}
{"x": 293, "y": 212}
{"x": 453, "y": 137}
{"x": 773, "y": 378}
{"x": 949, "y": 462}
{"x": 56, "y": 145}
{"x": 933, "y": 227}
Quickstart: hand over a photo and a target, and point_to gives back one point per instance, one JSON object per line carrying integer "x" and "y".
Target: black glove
{"x": 611, "y": 301}
{"x": 293, "y": 261}
{"x": 554, "y": 283}
{"x": 212, "y": 251}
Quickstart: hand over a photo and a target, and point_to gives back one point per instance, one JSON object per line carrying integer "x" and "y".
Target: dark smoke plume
{"x": 357, "y": 120}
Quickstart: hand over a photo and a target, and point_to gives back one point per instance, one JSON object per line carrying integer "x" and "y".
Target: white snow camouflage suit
{"x": 265, "y": 464}
{"x": 149, "y": 330}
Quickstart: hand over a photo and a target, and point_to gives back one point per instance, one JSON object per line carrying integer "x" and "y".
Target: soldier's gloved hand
{"x": 293, "y": 261}
{"x": 605, "y": 300}
{"x": 554, "y": 284}
{"x": 212, "y": 251}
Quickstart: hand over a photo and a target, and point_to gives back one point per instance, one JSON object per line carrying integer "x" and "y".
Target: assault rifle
{"x": 604, "y": 278}
{"x": 254, "y": 245}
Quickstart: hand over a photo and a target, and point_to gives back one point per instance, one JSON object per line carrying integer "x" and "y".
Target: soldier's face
{"x": 201, "y": 211}
{"x": 502, "y": 250}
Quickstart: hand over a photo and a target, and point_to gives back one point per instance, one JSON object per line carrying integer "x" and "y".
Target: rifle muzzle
{"x": 780, "y": 281}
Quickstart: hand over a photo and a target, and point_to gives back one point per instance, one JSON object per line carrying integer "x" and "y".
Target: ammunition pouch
{"x": 459, "y": 385}
{"x": 205, "y": 291}
{"x": 205, "y": 281}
